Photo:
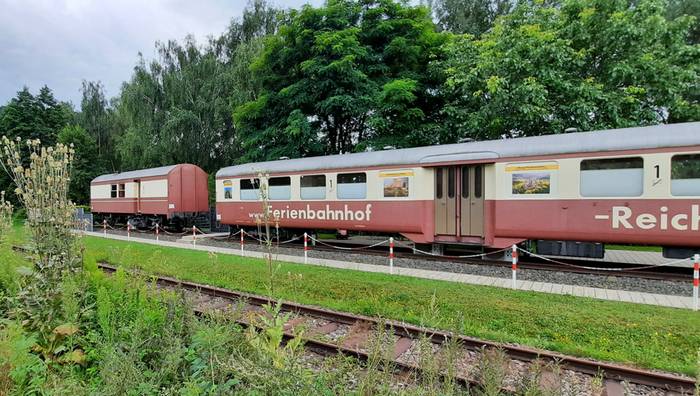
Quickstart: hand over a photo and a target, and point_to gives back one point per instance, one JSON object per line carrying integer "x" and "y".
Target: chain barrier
{"x": 348, "y": 248}
{"x": 602, "y": 268}
{"x": 514, "y": 253}
{"x": 449, "y": 256}
{"x": 296, "y": 238}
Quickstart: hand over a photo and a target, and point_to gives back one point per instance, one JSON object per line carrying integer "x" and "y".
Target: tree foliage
{"x": 588, "y": 64}
{"x": 469, "y": 16}
{"x": 341, "y": 75}
{"x": 99, "y": 119}
{"x": 86, "y": 157}
{"x": 354, "y": 75}
{"x": 32, "y": 117}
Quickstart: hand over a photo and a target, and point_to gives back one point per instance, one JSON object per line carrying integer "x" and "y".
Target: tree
{"x": 27, "y": 116}
{"x": 97, "y": 118}
{"x": 331, "y": 74}
{"x": 469, "y": 16}
{"x": 683, "y": 8}
{"x": 177, "y": 109}
{"x": 588, "y": 64}
{"x": 34, "y": 117}
{"x": 83, "y": 168}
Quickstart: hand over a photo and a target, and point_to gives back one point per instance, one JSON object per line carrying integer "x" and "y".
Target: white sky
{"x": 62, "y": 42}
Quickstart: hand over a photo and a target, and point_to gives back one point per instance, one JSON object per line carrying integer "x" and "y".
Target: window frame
{"x": 254, "y": 183}
{"x": 629, "y": 159}
{"x": 692, "y": 156}
{"x": 228, "y": 188}
{"x": 451, "y": 182}
{"x": 339, "y": 183}
{"x": 113, "y": 191}
{"x": 478, "y": 181}
{"x": 311, "y": 177}
{"x": 277, "y": 178}
{"x": 122, "y": 190}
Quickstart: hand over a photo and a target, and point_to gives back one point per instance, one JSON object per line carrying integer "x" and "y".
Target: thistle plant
{"x": 265, "y": 221}
{"x": 5, "y": 217}
{"x": 42, "y": 187}
{"x": 42, "y": 182}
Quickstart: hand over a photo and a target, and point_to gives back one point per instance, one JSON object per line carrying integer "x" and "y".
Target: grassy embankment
{"x": 647, "y": 336}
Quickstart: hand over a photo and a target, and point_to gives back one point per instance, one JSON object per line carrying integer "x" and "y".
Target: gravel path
{"x": 588, "y": 280}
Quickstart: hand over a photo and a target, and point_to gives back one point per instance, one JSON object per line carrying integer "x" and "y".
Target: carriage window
{"x": 478, "y": 181}
{"x": 280, "y": 187}
{"x": 352, "y": 185}
{"x": 228, "y": 189}
{"x": 313, "y": 187}
{"x": 114, "y": 191}
{"x": 613, "y": 177}
{"x": 685, "y": 175}
{"x": 438, "y": 184}
{"x": 122, "y": 191}
{"x": 451, "y": 182}
{"x": 465, "y": 182}
{"x": 396, "y": 187}
{"x": 250, "y": 188}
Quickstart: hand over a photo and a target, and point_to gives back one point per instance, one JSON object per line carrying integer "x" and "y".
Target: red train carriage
{"x": 170, "y": 195}
{"x": 634, "y": 185}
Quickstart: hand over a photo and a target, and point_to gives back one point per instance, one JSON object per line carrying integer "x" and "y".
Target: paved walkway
{"x": 602, "y": 294}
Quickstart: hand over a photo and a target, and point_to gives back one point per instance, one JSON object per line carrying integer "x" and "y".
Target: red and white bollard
{"x": 128, "y": 231}
{"x": 194, "y": 235}
{"x": 104, "y": 226}
{"x": 696, "y": 280}
{"x": 515, "y": 266}
{"x": 391, "y": 255}
{"x": 157, "y": 232}
{"x": 306, "y": 248}
{"x": 242, "y": 240}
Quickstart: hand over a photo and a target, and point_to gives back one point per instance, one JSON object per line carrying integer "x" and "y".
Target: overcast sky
{"x": 59, "y": 43}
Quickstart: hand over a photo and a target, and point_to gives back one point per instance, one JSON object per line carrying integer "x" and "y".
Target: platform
{"x": 580, "y": 291}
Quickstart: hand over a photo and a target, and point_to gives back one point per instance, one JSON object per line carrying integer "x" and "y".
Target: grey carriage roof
{"x": 672, "y": 135}
{"x": 135, "y": 174}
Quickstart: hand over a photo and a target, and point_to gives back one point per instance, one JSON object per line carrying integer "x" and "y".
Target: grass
{"x": 635, "y": 248}
{"x": 646, "y": 336}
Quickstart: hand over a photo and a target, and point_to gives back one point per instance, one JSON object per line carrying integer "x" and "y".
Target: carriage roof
{"x": 638, "y": 138}
{"x": 135, "y": 174}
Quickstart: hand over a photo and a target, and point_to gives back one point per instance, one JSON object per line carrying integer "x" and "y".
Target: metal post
{"x": 242, "y": 240}
{"x": 515, "y": 266}
{"x": 157, "y": 232}
{"x": 696, "y": 280}
{"x": 194, "y": 235}
{"x": 391, "y": 255}
{"x": 128, "y": 231}
{"x": 104, "y": 226}
{"x": 306, "y": 248}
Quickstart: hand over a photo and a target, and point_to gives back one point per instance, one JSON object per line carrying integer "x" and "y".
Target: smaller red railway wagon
{"x": 169, "y": 195}
{"x": 568, "y": 193}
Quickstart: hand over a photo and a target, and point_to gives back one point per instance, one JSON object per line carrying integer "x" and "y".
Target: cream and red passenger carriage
{"x": 169, "y": 195}
{"x": 634, "y": 185}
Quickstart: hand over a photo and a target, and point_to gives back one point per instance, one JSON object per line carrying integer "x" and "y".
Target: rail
{"x": 408, "y": 332}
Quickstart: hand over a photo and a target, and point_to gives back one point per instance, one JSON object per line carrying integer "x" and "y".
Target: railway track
{"x": 359, "y": 329}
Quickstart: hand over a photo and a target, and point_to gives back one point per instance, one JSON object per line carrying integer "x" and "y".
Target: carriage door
{"x": 472, "y": 200}
{"x": 137, "y": 187}
{"x": 445, "y": 200}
